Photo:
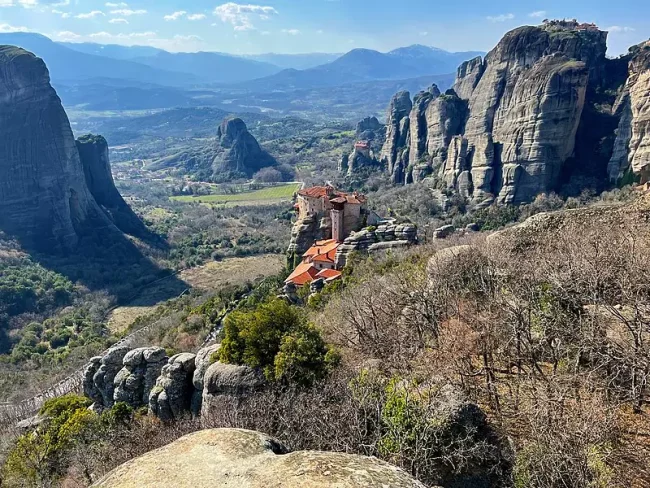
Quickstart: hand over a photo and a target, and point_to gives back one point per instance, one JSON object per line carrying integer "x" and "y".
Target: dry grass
{"x": 212, "y": 276}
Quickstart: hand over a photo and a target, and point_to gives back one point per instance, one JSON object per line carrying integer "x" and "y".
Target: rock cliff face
{"x": 44, "y": 199}
{"x": 509, "y": 126}
{"x": 93, "y": 151}
{"x": 632, "y": 146}
{"x": 395, "y": 151}
{"x": 50, "y": 196}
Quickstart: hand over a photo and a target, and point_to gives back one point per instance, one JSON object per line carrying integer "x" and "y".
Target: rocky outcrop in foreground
{"x": 236, "y": 457}
{"x": 508, "y": 128}
{"x": 45, "y": 200}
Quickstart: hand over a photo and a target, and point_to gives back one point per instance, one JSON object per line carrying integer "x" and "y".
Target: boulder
{"x": 89, "y": 388}
{"x": 104, "y": 378}
{"x": 235, "y": 457}
{"x": 201, "y": 365}
{"x": 171, "y": 398}
{"x": 136, "y": 379}
{"x": 225, "y": 385}
{"x": 444, "y": 232}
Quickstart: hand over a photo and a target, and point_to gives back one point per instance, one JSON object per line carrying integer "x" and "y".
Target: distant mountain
{"x": 210, "y": 67}
{"x": 432, "y": 58}
{"x": 114, "y": 51}
{"x": 361, "y": 65}
{"x": 69, "y": 65}
{"x": 295, "y": 61}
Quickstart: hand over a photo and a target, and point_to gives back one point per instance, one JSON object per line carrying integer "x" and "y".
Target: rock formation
{"x": 369, "y": 129}
{"x": 170, "y": 399}
{"x": 238, "y": 151}
{"x": 234, "y": 154}
{"x": 236, "y": 457}
{"x": 136, "y": 379}
{"x": 386, "y": 236}
{"x": 632, "y": 146}
{"x": 508, "y": 128}
{"x": 226, "y": 384}
{"x": 100, "y": 374}
{"x": 395, "y": 151}
{"x": 44, "y": 198}
{"x": 202, "y": 363}
{"x": 93, "y": 151}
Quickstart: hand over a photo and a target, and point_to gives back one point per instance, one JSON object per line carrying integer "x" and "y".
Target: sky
{"x": 302, "y": 26}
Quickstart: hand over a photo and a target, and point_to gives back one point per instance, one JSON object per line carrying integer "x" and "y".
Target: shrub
{"x": 276, "y": 338}
{"x": 39, "y": 457}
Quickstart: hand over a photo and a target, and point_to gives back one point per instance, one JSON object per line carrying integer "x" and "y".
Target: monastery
{"x": 340, "y": 214}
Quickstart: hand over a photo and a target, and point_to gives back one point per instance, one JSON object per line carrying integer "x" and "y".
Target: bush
{"x": 276, "y": 338}
{"x": 39, "y": 457}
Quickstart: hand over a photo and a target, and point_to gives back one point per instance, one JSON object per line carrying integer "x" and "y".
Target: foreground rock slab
{"x": 246, "y": 459}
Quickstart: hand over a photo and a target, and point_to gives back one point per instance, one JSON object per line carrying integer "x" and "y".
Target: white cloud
{"x": 131, "y": 35}
{"x": 291, "y": 32}
{"x": 16, "y": 3}
{"x": 125, "y": 12}
{"x": 116, "y": 5}
{"x": 239, "y": 15}
{"x": 619, "y": 28}
{"x": 424, "y": 33}
{"x": 175, "y": 15}
{"x": 196, "y": 17}
{"x": 67, "y": 36}
{"x": 179, "y": 37}
{"x": 64, "y": 3}
{"x": 118, "y": 21}
{"x": 90, "y": 15}
{"x": 538, "y": 14}
{"x": 500, "y": 18}
{"x": 6, "y": 28}
{"x": 64, "y": 15}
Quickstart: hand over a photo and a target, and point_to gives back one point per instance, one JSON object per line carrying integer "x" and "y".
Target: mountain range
{"x": 84, "y": 63}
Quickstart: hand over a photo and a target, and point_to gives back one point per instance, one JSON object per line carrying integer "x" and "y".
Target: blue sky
{"x": 297, "y": 26}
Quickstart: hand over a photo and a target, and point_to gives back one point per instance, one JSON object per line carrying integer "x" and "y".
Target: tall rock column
{"x": 44, "y": 200}
{"x": 395, "y": 150}
{"x": 632, "y": 146}
{"x": 93, "y": 151}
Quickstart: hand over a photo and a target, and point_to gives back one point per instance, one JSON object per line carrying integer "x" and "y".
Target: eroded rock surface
{"x": 93, "y": 151}
{"x": 44, "y": 199}
{"x": 201, "y": 365}
{"x": 509, "y": 126}
{"x": 170, "y": 399}
{"x": 136, "y": 379}
{"x": 226, "y": 384}
{"x": 632, "y": 146}
{"x": 247, "y": 459}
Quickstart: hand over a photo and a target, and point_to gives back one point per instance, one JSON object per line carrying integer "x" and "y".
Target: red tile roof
{"x": 304, "y": 273}
{"x": 317, "y": 191}
{"x": 322, "y": 251}
{"x": 329, "y": 274}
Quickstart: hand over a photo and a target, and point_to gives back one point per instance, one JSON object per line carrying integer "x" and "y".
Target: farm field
{"x": 211, "y": 276}
{"x": 272, "y": 194}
